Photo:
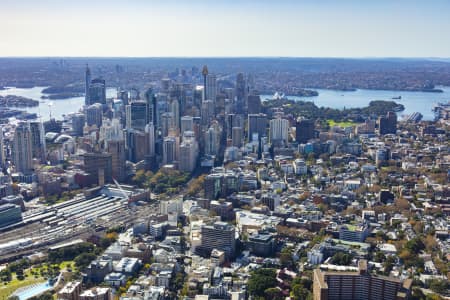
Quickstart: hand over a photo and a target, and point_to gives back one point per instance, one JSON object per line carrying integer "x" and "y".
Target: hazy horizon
{"x": 246, "y": 28}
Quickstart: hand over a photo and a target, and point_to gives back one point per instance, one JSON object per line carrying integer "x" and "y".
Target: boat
{"x": 397, "y": 98}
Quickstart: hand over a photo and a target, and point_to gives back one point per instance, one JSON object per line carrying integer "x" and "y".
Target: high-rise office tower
{"x": 254, "y": 104}
{"x": 211, "y": 87}
{"x": 97, "y": 91}
{"x": 187, "y": 124}
{"x": 2, "y": 149}
{"x": 150, "y": 131}
{"x": 278, "y": 132}
{"x": 22, "y": 152}
{"x": 87, "y": 78}
{"x": 170, "y": 149}
{"x": 388, "y": 124}
{"x": 136, "y": 145}
{"x": 304, "y": 130}
{"x": 150, "y": 100}
{"x": 94, "y": 115}
{"x": 207, "y": 111}
{"x": 233, "y": 120}
{"x": 250, "y": 83}
{"x": 167, "y": 123}
{"x": 123, "y": 95}
{"x": 99, "y": 166}
{"x": 237, "y": 136}
{"x": 165, "y": 85}
{"x": 78, "y": 121}
{"x": 212, "y": 140}
{"x": 220, "y": 236}
{"x": 188, "y": 152}
{"x": 198, "y": 95}
{"x": 118, "y": 158}
{"x": 111, "y": 130}
{"x": 241, "y": 93}
{"x": 257, "y": 126}
{"x": 174, "y": 108}
{"x": 111, "y": 134}
{"x": 38, "y": 145}
{"x": 136, "y": 115}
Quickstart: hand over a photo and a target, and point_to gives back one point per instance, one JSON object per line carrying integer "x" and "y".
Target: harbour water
{"x": 57, "y": 108}
{"x": 422, "y": 102}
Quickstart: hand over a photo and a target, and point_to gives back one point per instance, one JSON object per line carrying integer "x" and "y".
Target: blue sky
{"x": 304, "y": 28}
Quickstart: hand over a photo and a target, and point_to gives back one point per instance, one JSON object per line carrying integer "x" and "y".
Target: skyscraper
{"x": 118, "y": 158}
{"x": 187, "y": 124}
{"x": 112, "y": 134}
{"x": 388, "y": 124}
{"x": 207, "y": 111}
{"x": 212, "y": 140}
{"x": 99, "y": 166}
{"x": 170, "y": 149}
{"x": 87, "y": 78}
{"x": 38, "y": 145}
{"x": 78, "y": 121}
{"x": 94, "y": 115}
{"x": 254, "y": 104}
{"x": 257, "y": 126}
{"x": 136, "y": 144}
{"x": 22, "y": 149}
{"x": 211, "y": 87}
{"x": 174, "y": 108}
{"x": 167, "y": 123}
{"x": 136, "y": 115}
{"x": 240, "y": 93}
{"x": 123, "y": 95}
{"x": 2, "y": 150}
{"x": 150, "y": 100}
{"x": 236, "y": 136}
{"x": 304, "y": 130}
{"x": 278, "y": 132}
{"x": 97, "y": 91}
{"x": 188, "y": 152}
{"x": 150, "y": 131}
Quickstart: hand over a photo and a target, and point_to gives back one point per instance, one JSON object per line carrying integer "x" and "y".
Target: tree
{"x": 379, "y": 256}
{"x": 273, "y": 293}
{"x": 261, "y": 280}
{"x": 84, "y": 259}
{"x": 196, "y": 185}
{"x": 388, "y": 264}
{"x": 342, "y": 258}
{"x": 439, "y": 286}
{"x": 5, "y": 275}
{"x": 286, "y": 258}
{"x": 301, "y": 287}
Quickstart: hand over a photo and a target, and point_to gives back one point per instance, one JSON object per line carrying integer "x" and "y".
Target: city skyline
{"x": 225, "y": 29}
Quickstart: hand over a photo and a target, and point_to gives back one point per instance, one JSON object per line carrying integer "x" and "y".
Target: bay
{"x": 422, "y": 102}
{"x": 56, "y": 107}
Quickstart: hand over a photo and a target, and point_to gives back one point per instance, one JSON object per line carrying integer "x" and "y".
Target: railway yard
{"x": 79, "y": 217}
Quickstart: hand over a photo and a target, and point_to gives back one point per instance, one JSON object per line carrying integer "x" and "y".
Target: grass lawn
{"x": 7, "y": 289}
{"x": 341, "y": 124}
